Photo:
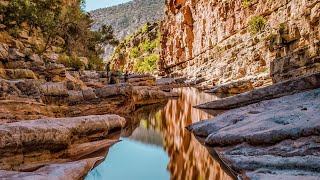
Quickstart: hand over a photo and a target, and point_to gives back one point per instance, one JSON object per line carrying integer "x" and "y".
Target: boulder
{"x": 75, "y": 96}
{"x": 45, "y": 140}
{"x": 3, "y": 74}
{"x": 275, "y": 139}
{"x": 28, "y": 87}
{"x": 51, "y": 57}
{"x": 145, "y": 95}
{"x": 4, "y": 54}
{"x": 54, "y": 89}
{"x": 124, "y": 89}
{"x": 69, "y": 170}
{"x": 20, "y": 74}
{"x": 15, "y": 54}
{"x": 88, "y": 94}
{"x": 35, "y": 58}
{"x": 56, "y": 72}
{"x": 235, "y": 87}
{"x": 142, "y": 81}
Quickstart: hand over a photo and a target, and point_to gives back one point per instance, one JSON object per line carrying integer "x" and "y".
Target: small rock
{"x": 14, "y": 54}
{"x": 4, "y": 51}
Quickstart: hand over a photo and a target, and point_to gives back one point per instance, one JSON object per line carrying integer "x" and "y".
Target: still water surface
{"x": 157, "y": 146}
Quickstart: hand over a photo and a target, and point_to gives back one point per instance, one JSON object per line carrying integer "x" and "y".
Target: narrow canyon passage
{"x": 157, "y": 145}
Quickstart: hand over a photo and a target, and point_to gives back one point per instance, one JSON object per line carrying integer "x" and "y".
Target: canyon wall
{"x": 212, "y": 42}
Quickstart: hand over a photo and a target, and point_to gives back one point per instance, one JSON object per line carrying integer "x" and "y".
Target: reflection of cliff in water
{"x": 188, "y": 158}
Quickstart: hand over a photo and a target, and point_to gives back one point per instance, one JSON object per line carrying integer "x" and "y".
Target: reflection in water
{"x": 161, "y": 128}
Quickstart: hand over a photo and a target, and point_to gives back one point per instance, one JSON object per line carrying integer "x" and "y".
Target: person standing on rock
{"x": 126, "y": 75}
{"x": 108, "y": 72}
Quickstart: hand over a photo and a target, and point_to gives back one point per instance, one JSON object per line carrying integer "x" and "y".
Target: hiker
{"x": 108, "y": 69}
{"x": 108, "y": 72}
{"x": 126, "y": 75}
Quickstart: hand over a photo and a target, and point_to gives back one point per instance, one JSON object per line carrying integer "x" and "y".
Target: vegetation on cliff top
{"x": 139, "y": 53}
{"x": 61, "y": 25}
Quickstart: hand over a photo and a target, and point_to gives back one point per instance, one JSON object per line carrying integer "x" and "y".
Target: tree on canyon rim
{"x": 57, "y": 19}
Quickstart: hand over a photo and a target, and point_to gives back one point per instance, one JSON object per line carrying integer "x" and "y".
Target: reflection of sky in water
{"x": 132, "y": 160}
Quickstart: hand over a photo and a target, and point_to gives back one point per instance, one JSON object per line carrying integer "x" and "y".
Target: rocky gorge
{"x": 258, "y": 62}
{"x": 264, "y": 53}
{"x": 56, "y": 122}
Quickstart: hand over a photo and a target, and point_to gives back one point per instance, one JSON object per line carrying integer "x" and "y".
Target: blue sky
{"x": 96, "y": 4}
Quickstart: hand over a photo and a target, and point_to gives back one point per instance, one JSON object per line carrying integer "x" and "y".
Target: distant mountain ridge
{"x": 127, "y": 18}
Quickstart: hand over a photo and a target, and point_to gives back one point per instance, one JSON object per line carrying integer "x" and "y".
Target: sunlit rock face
{"x": 210, "y": 41}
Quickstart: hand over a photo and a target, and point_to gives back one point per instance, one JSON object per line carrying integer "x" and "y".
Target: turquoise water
{"x": 156, "y": 145}
{"x": 132, "y": 160}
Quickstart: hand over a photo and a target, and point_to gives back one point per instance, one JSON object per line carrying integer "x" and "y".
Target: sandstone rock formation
{"x": 71, "y": 170}
{"x": 144, "y": 95}
{"x": 53, "y": 147}
{"x": 209, "y": 42}
{"x": 270, "y": 92}
{"x": 275, "y": 138}
{"x": 134, "y": 53}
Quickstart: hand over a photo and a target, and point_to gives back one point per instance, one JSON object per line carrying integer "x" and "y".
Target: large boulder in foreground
{"x": 44, "y": 140}
{"x": 272, "y": 139}
{"x": 269, "y": 92}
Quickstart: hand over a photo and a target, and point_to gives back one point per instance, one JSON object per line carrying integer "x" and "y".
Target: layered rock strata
{"x": 210, "y": 42}
{"x": 277, "y": 139}
{"x": 71, "y": 170}
{"x": 270, "y": 92}
{"x": 47, "y": 146}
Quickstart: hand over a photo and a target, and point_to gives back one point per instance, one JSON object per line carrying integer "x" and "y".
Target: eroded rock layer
{"x": 56, "y": 148}
{"x": 272, "y": 139}
{"x": 213, "y": 41}
{"x": 270, "y": 92}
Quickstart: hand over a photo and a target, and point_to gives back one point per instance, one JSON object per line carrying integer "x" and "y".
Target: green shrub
{"x": 144, "y": 28}
{"x": 154, "y": 44}
{"x": 246, "y": 3}
{"x": 148, "y": 46}
{"x": 256, "y": 24}
{"x": 71, "y": 62}
{"x": 146, "y": 65}
{"x": 14, "y": 31}
{"x": 134, "y": 53}
{"x": 76, "y": 64}
{"x": 96, "y": 63}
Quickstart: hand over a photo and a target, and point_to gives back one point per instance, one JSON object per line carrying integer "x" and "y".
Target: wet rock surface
{"x": 276, "y": 138}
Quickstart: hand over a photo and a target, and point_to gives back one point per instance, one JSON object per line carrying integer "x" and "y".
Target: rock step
{"x": 276, "y": 138}
{"x": 47, "y": 139}
{"x": 70, "y": 170}
{"x": 270, "y": 92}
{"x": 266, "y": 122}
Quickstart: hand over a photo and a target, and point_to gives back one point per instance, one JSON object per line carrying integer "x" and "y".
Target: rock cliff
{"x": 127, "y": 18}
{"x": 253, "y": 42}
{"x": 139, "y": 53}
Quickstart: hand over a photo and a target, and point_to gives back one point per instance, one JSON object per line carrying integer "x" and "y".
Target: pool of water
{"x": 156, "y": 145}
